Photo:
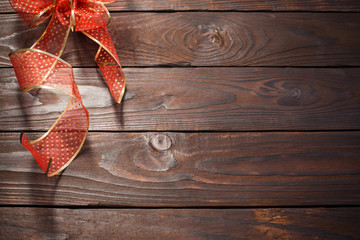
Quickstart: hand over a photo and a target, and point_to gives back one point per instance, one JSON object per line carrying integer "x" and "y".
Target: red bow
{"x": 41, "y": 67}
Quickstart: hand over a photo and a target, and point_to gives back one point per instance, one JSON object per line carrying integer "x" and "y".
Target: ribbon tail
{"x": 41, "y": 67}
{"x": 63, "y": 141}
{"x": 108, "y": 61}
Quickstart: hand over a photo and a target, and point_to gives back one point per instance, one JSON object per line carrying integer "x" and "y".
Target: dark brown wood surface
{"x": 241, "y": 120}
{"x": 226, "y": 99}
{"x": 205, "y": 39}
{"x": 228, "y": 5}
{"x": 191, "y": 169}
{"x": 197, "y": 224}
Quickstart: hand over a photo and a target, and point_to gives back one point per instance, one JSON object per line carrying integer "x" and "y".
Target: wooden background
{"x": 241, "y": 121}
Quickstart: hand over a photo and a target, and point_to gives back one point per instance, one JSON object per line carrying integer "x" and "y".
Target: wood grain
{"x": 190, "y": 169}
{"x": 197, "y": 224}
{"x": 210, "y": 39}
{"x": 224, "y": 99}
{"x": 208, "y": 123}
{"x": 234, "y": 5}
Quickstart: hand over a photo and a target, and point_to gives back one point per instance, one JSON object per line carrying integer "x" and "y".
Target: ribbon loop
{"x": 41, "y": 67}
{"x": 33, "y": 12}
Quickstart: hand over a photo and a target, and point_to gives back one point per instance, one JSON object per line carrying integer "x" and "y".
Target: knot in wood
{"x": 160, "y": 142}
{"x": 217, "y": 37}
{"x": 295, "y": 93}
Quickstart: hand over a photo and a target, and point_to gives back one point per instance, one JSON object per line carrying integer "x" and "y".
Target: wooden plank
{"x": 234, "y": 5}
{"x": 191, "y": 169}
{"x": 210, "y": 39}
{"x": 197, "y": 224}
{"x": 223, "y": 99}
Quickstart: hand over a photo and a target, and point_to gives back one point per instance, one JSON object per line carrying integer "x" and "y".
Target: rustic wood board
{"x": 237, "y": 5}
{"x": 205, "y": 143}
{"x": 188, "y": 99}
{"x": 190, "y": 169}
{"x": 210, "y": 39}
{"x": 197, "y": 224}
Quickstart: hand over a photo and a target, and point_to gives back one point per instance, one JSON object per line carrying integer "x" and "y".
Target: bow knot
{"x": 84, "y": 14}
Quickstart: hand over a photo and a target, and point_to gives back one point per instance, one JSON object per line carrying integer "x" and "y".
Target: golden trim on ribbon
{"x": 39, "y": 15}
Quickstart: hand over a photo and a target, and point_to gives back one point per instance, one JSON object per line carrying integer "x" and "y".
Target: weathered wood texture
{"x": 237, "y": 5}
{"x": 196, "y": 224}
{"x": 210, "y": 39}
{"x": 198, "y": 99}
{"x": 177, "y": 159}
{"x": 193, "y": 169}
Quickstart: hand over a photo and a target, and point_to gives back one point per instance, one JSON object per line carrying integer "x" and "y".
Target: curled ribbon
{"x": 41, "y": 67}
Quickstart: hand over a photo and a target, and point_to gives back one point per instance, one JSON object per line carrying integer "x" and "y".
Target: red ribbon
{"x": 41, "y": 67}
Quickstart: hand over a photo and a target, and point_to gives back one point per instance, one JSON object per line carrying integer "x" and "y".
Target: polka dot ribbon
{"x": 40, "y": 66}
